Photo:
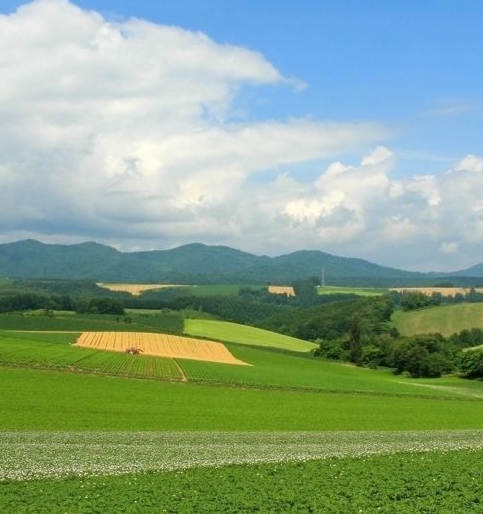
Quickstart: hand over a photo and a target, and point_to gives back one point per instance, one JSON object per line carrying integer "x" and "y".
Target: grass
{"x": 445, "y": 319}
{"x": 53, "y": 400}
{"x": 243, "y": 334}
{"x": 360, "y": 291}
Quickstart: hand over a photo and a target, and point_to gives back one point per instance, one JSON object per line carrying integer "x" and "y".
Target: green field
{"x": 53, "y": 400}
{"x": 69, "y": 321}
{"x": 444, "y": 319}
{"x": 243, "y": 334}
{"x": 218, "y": 289}
{"x": 268, "y": 369}
{"x": 93, "y": 431}
{"x": 359, "y": 291}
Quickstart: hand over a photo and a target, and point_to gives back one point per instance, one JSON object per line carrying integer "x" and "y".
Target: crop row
{"x": 26, "y": 353}
{"x": 28, "y": 455}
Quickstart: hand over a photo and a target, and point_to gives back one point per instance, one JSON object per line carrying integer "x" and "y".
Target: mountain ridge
{"x": 201, "y": 263}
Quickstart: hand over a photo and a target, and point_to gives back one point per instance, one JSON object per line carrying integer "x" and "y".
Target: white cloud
{"x": 124, "y": 132}
{"x": 470, "y": 163}
{"x": 449, "y": 247}
{"x": 107, "y": 121}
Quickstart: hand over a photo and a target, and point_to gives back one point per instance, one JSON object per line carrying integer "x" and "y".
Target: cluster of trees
{"x": 34, "y": 301}
{"x": 412, "y": 300}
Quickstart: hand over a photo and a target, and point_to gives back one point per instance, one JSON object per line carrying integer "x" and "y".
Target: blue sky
{"x": 353, "y": 127}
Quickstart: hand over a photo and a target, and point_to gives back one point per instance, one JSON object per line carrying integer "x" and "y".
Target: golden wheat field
{"x": 135, "y": 289}
{"x": 161, "y": 345}
{"x": 287, "y": 290}
{"x": 444, "y": 291}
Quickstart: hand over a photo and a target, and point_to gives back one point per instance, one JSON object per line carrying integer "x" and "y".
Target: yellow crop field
{"x": 444, "y": 291}
{"x": 162, "y": 345}
{"x": 287, "y": 290}
{"x": 135, "y": 289}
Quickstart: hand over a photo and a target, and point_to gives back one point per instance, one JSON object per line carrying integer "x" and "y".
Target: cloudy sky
{"x": 354, "y": 127}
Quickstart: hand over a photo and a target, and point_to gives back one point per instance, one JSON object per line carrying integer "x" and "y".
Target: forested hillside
{"x": 203, "y": 264}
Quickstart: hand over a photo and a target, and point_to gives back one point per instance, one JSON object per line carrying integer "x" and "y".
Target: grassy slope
{"x": 269, "y": 368}
{"x": 242, "y": 334}
{"x": 445, "y": 319}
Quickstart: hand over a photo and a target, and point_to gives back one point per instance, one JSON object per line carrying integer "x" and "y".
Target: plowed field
{"x": 287, "y": 290}
{"x": 135, "y": 289}
{"x": 162, "y": 345}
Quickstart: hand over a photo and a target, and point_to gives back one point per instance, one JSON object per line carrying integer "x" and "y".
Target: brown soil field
{"x": 287, "y": 290}
{"x": 135, "y": 289}
{"x": 444, "y": 291}
{"x": 161, "y": 345}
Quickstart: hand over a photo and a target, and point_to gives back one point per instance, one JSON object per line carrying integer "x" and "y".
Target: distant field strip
{"x": 161, "y": 345}
{"x": 444, "y": 291}
{"x": 136, "y": 289}
{"x": 287, "y": 290}
{"x": 28, "y": 455}
{"x": 243, "y": 334}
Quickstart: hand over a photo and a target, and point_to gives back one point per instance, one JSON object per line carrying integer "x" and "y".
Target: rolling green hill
{"x": 243, "y": 334}
{"x": 445, "y": 319}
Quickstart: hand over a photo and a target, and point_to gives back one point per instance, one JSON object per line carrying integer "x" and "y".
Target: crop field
{"x": 60, "y": 400}
{"x": 243, "y": 334}
{"x": 438, "y": 481}
{"x": 80, "y": 432}
{"x": 268, "y": 368}
{"x": 444, "y": 291}
{"x": 38, "y": 454}
{"x": 54, "y": 351}
{"x": 161, "y": 345}
{"x": 286, "y": 290}
{"x": 136, "y": 289}
{"x": 360, "y": 291}
{"x": 445, "y": 319}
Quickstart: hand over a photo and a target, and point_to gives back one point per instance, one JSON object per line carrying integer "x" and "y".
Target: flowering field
{"x": 438, "y": 481}
{"x": 39, "y": 454}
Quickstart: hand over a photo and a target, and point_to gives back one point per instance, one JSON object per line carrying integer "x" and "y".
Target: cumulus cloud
{"x": 126, "y": 132}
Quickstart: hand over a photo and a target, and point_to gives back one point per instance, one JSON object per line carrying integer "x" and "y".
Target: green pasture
{"x": 53, "y": 400}
{"x": 360, "y": 291}
{"x": 243, "y": 334}
{"x": 443, "y": 319}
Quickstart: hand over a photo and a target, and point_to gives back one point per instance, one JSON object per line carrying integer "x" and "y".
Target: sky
{"x": 353, "y": 127}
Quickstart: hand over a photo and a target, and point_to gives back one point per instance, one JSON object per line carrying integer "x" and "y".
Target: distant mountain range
{"x": 199, "y": 263}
